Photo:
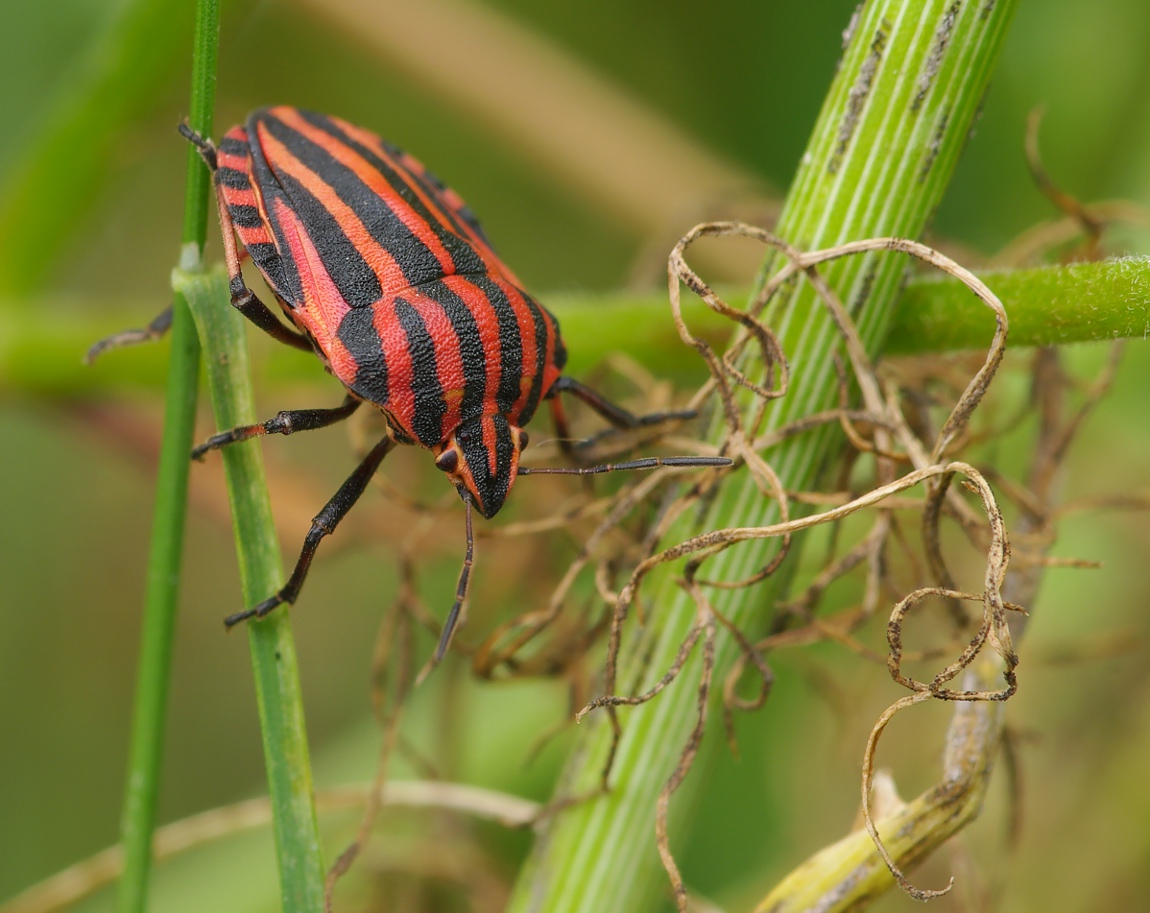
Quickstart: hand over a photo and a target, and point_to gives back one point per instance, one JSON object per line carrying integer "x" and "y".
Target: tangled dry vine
{"x": 895, "y": 447}
{"x": 906, "y": 453}
{"x": 909, "y": 443}
{"x": 744, "y": 381}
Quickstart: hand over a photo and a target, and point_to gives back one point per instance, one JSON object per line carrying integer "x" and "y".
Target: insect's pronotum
{"x": 387, "y": 276}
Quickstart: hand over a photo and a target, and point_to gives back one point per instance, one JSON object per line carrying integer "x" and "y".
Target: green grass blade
{"x": 273, "y": 650}
{"x": 882, "y": 152}
{"x": 154, "y": 673}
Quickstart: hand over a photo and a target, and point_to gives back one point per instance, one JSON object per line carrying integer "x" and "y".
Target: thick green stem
{"x": 882, "y": 152}
{"x": 163, "y": 578}
{"x": 261, "y": 574}
{"x": 1047, "y": 306}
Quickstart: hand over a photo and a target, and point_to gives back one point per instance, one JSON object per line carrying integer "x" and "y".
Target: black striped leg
{"x": 287, "y": 422}
{"x": 324, "y": 524}
{"x": 160, "y": 325}
{"x": 243, "y": 298}
{"x": 245, "y": 301}
{"x": 619, "y": 417}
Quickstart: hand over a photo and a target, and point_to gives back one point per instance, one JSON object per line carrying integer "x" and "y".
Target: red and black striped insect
{"x": 386, "y": 275}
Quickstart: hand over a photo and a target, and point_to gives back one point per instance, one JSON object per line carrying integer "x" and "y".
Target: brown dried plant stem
{"x": 68, "y": 887}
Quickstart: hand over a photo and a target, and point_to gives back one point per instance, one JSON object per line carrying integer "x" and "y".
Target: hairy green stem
{"x": 1047, "y": 305}
{"x": 138, "y": 817}
{"x": 261, "y": 574}
{"x": 897, "y": 115}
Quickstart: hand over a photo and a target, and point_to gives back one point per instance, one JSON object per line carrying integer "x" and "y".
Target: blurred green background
{"x": 672, "y": 112}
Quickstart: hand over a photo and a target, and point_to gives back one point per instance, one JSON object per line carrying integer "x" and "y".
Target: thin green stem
{"x": 273, "y": 650}
{"x": 882, "y": 152}
{"x": 163, "y": 576}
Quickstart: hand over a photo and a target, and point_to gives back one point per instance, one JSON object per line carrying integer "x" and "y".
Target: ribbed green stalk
{"x": 261, "y": 574}
{"x": 882, "y": 152}
{"x": 153, "y": 676}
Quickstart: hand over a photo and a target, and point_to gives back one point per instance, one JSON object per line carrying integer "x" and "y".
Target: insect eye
{"x": 463, "y": 436}
{"x": 523, "y": 439}
{"x": 448, "y": 461}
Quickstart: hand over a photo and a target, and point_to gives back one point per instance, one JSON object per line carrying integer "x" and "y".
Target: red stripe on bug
{"x": 400, "y": 370}
{"x": 527, "y": 343}
{"x": 323, "y": 307}
{"x": 382, "y": 263}
{"x": 489, "y": 443}
{"x": 363, "y": 169}
{"x": 256, "y": 235}
{"x": 448, "y": 357}
{"x": 550, "y": 372}
{"x": 405, "y": 166}
{"x": 487, "y": 324}
{"x": 240, "y": 197}
{"x": 240, "y": 161}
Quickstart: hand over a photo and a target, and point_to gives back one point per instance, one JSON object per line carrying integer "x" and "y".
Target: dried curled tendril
{"x": 904, "y": 460}
{"x": 744, "y": 382}
{"x": 893, "y": 425}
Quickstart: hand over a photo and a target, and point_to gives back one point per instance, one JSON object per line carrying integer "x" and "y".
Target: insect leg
{"x": 204, "y": 146}
{"x": 287, "y": 422}
{"x": 160, "y": 325}
{"x": 618, "y": 416}
{"x": 324, "y": 524}
{"x": 243, "y": 298}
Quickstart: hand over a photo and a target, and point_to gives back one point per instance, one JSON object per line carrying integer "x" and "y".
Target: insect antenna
{"x": 645, "y": 463}
{"x": 461, "y": 588}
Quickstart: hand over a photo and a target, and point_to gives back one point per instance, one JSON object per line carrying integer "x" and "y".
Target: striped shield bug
{"x": 387, "y": 276}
